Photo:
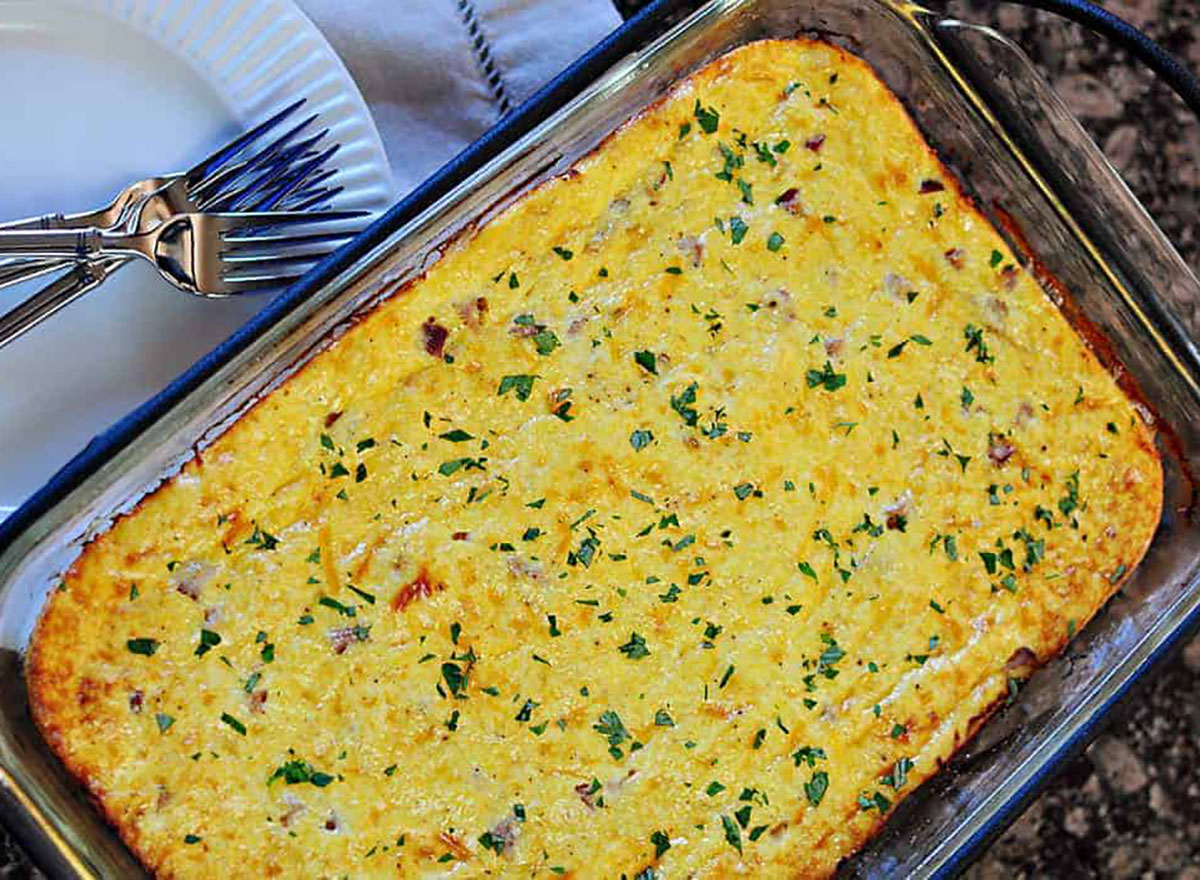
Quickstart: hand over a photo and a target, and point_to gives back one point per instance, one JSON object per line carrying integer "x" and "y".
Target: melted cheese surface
{"x": 677, "y": 524}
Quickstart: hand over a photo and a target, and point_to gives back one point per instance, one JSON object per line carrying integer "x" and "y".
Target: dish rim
{"x": 341, "y": 271}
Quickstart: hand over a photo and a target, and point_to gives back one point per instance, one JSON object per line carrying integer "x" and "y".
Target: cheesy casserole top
{"x": 678, "y": 523}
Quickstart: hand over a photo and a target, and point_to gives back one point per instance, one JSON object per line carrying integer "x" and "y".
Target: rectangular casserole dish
{"x": 1032, "y": 170}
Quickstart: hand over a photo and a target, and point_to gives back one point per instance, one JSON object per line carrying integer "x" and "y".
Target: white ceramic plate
{"x": 97, "y": 93}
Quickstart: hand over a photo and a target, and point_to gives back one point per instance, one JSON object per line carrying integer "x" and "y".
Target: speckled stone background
{"x": 1130, "y": 806}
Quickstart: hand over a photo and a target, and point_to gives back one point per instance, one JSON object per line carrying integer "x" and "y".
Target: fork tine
{"x": 220, "y": 157}
{"x": 286, "y": 173}
{"x": 214, "y": 184}
{"x": 249, "y": 178}
{"x": 250, "y": 283}
{"x": 301, "y": 179}
{"x": 264, "y": 220}
{"x": 251, "y": 250}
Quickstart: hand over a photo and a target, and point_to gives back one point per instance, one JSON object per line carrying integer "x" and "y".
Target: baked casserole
{"x": 678, "y": 522}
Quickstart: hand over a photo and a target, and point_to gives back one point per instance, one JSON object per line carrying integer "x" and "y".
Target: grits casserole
{"x": 677, "y": 523}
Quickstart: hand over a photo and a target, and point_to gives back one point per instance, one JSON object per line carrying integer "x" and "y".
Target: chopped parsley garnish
{"x": 774, "y": 241}
{"x": 522, "y": 385}
{"x": 661, "y": 842}
{"x": 737, "y": 229}
{"x": 298, "y": 772}
{"x": 635, "y": 648}
{"x": 816, "y": 787}
{"x": 682, "y": 404}
{"x": 610, "y": 727}
{"x": 545, "y": 341}
{"x": 647, "y": 361}
{"x": 262, "y": 539}
{"x": 826, "y": 378}
{"x": 808, "y": 755}
{"x": 234, "y": 723}
{"x": 455, "y": 678}
{"x": 447, "y": 468}
{"x": 976, "y": 343}
{"x": 732, "y": 836}
{"x": 640, "y": 439}
{"x": 707, "y": 117}
{"x": 747, "y": 191}
{"x": 208, "y": 641}
{"x": 145, "y": 647}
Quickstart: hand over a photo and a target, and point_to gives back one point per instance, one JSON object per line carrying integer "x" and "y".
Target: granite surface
{"x": 1130, "y": 806}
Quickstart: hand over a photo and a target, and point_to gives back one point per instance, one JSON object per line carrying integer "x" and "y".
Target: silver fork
{"x": 210, "y": 255}
{"x": 281, "y": 175}
{"x": 83, "y": 277}
{"x": 146, "y": 202}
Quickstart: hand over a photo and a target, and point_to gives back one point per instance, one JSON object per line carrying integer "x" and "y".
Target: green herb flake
{"x": 145, "y": 647}
{"x": 647, "y": 361}
{"x": 707, "y": 117}
{"x": 826, "y": 378}
{"x": 208, "y": 641}
{"x": 737, "y": 229}
{"x": 635, "y": 648}
{"x": 732, "y": 836}
{"x": 661, "y": 842}
{"x": 816, "y": 787}
{"x": 522, "y": 385}
{"x": 234, "y": 723}
{"x": 640, "y": 439}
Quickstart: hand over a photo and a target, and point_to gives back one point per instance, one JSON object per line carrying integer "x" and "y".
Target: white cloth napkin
{"x": 437, "y": 73}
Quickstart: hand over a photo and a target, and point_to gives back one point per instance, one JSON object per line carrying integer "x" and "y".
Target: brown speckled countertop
{"x": 1130, "y": 806}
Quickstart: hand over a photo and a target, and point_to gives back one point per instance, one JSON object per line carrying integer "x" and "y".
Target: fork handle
{"x": 15, "y": 271}
{"x": 101, "y": 217}
{"x": 70, "y": 244}
{"x": 54, "y": 296}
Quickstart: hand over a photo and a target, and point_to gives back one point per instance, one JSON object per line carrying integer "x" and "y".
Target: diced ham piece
{"x": 189, "y": 579}
{"x": 790, "y": 201}
{"x": 692, "y": 248}
{"x": 584, "y": 790}
{"x": 434, "y": 335}
{"x": 471, "y": 311}
{"x": 999, "y": 449}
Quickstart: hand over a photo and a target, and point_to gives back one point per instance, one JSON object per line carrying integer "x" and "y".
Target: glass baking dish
{"x": 1020, "y": 154}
